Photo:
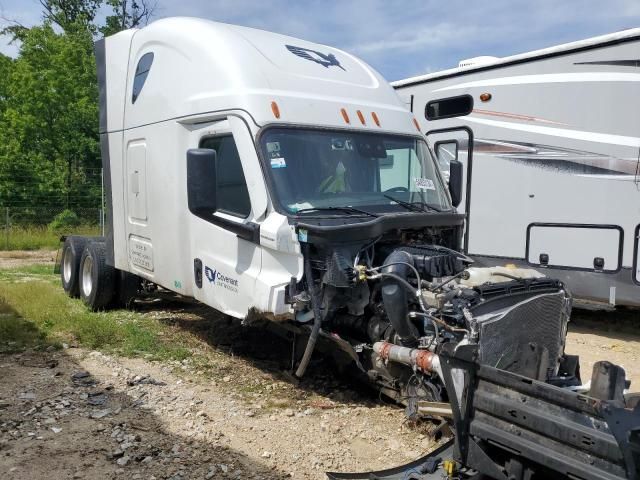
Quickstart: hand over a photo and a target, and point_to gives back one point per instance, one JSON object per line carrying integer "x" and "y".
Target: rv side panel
{"x": 556, "y": 141}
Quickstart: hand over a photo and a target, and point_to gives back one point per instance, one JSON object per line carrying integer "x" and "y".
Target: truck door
{"x": 137, "y": 227}
{"x": 451, "y": 144}
{"x": 225, "y": 245}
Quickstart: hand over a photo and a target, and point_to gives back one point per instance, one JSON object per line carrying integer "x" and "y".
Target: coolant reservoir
{"x": 480, "y": 275}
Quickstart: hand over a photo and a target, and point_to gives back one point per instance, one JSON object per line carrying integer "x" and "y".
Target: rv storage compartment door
{"x": 575, "y": 246}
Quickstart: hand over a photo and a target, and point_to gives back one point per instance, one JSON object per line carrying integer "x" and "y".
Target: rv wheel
{"x": 96, "y": 277}
{"x": 70, "y": 264}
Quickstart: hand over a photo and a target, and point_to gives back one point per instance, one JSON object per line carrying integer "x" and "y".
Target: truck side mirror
{"x": 201, "y": 181}
{"x": 455, "y": 182}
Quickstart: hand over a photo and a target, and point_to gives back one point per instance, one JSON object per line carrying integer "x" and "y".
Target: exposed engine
{"x": 393, "y": 306}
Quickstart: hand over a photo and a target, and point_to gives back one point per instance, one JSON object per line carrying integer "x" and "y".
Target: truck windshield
{"x": 323, "y": 172}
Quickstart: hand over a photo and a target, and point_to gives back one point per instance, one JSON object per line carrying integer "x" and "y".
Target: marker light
{"x": 344, "y": 115}
{"x": 415, "y": 122}
{"x": 375, "y": 118}
{"x": 485, "y": 97}
{"x": 361, "y": 117}
{"x": 275, "y": 109}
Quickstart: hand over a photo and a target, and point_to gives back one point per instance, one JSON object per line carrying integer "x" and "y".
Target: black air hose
{"x": 317, "y": 319}
{"x": 394, "y": 296}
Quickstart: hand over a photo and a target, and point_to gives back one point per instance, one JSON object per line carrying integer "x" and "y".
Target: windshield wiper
{"x": 414, "y": 206}
{"x": 347, "y": 210}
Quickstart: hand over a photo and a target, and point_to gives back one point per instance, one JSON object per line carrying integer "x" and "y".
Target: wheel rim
{"x": 67, "y": 266}
{"x": 87, "y": 276}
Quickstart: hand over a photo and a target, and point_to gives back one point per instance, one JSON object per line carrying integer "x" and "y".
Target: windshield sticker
{"x": 425, "y": 184}
{"x": 273, "y": 147}
{"x": 303, "y": 235}
{"x": 278, "y": 162}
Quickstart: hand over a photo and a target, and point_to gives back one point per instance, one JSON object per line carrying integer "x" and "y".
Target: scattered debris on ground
{"x": 97, "y": 416}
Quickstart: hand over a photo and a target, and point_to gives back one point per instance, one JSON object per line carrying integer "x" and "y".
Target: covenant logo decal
{"x": 221, "y": 280}
{"x": 325, "y": 59}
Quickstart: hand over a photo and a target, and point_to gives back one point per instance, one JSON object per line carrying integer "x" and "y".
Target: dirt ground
{"x": 612, "y": 335}
{"x": 18, "y": 258}
{"x": 81, "y": 414}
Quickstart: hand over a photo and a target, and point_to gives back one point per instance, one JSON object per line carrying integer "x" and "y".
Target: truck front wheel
{"x": 97, "y": 279}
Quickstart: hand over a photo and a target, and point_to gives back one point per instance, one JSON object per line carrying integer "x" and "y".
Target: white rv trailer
{"x": 553, "y": 180}
{"x": 273, "y": 178}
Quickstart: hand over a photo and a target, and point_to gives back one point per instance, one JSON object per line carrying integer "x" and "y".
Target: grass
{"x": 35, "y": 311}
{"x": 16, "y": 333}
{"x": 36, "y": 237}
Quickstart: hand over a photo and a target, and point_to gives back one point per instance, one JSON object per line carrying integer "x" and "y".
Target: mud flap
{"x": 426, "y": 468}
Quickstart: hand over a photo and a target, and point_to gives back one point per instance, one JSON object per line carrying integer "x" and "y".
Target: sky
{"x": 401, "y": 38}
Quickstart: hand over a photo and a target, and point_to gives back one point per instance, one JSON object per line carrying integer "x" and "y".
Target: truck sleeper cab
{"x": 268, "y": 176}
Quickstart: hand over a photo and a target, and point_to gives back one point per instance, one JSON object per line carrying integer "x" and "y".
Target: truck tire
{"x": 70, "y": 264}
{"x": 126, "y": 289}
{"x": 97, "y": 279}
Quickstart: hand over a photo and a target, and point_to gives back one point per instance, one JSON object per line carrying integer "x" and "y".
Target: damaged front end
{"x": 508, "y": 426}
{"x": 392, "y": 304}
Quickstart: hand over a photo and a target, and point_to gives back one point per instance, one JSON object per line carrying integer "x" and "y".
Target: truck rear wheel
{"x": 70, "y": 264}
{"x": 97, "y": 279}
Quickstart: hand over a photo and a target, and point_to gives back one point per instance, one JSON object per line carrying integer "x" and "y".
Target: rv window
{"x": 142, "y": 70}
{"x": 232, "y": 195}
{"x": 449, "y": 107}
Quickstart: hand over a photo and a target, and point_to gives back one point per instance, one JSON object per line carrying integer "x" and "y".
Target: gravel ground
{"x": 81, "y": 414}
{"x": 612, "y": 335}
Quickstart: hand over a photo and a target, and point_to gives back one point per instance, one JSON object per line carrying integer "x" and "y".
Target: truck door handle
{"x": 197, "y": 272}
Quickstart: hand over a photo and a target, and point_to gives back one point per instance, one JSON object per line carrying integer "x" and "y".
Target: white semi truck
{"x": 266, "y": 176}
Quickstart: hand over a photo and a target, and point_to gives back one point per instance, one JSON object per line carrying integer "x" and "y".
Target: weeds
{"x": 36, "y": 313}
{"x": 39, "y": 311}
{"x": 28, "y": 273}
{"x": 38, "y": 236}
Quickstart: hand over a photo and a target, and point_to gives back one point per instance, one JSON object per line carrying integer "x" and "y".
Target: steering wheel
{"x": 397, "y": 189}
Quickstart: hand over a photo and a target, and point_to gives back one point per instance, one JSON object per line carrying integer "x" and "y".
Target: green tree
{"x": 5, "y": 71}
{"x": 49, "y": 144}
{"x": 71, "y": 14}
{"x": 127, "y": 14}
{"x": 48, "y": 129}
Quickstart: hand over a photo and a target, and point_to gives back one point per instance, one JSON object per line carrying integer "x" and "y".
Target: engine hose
{"x": 317, "y": 319}
{"x": 407, "y": 264}
{"x": 400, "y": 280}
{"x": 506, "y": 275}
{"x": 394, "y": 295}
{"x": 431, "y": 319}
{"x": 464, "y": 274}
{"x": 407, "y": 285}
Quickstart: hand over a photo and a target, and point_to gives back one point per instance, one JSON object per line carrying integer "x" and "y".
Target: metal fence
{"x": 33, "y": 217}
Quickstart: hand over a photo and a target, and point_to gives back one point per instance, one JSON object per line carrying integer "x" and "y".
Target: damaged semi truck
{"x": 269, "y": 177}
